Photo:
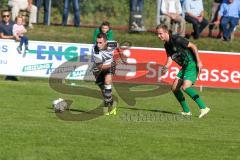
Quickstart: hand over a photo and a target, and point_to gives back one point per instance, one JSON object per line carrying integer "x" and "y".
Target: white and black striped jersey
{"x": 104, "y": 57}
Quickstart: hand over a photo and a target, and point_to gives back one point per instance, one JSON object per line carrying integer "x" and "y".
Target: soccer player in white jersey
{"x": 103, "y": 70}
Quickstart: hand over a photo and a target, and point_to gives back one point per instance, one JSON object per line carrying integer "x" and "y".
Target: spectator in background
{"x": 46, "y": 10}
{"x": 172, "y": 10}
{"x": 136, "y": 15}
{"x": 6, "y": 28}
{"x": 104, "y": 28}
{"x": 17, "y": 5}
{"x": 182, "y": 2}
{"x": 18, "y": 32}
{"x": 76, "y": 10}
{"x": 215, "y": 8}
{"x": 194, "y": 14}
{"x": 228, "y": 17}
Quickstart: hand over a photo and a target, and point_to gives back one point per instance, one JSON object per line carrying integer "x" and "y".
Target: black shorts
{"x": 100, "y": 75}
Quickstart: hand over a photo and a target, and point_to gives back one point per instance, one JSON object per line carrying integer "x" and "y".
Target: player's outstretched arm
{"x": 193, "y": 47}
{"x": 167, "y": 65}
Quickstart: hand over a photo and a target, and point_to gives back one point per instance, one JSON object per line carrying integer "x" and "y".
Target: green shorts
{"x": 189, "y": 72}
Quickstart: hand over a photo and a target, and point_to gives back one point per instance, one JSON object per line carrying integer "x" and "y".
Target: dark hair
{"x": 5, "y": 10}
{"x": 104, "y": 23}
{"x": 102, "y": 35}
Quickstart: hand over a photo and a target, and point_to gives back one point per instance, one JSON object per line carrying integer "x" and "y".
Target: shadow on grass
{"x": 150, "y": 110}
{"x": 82, "y": 115}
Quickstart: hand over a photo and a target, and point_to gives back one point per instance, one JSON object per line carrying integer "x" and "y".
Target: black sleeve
{"x": 96, "y": 50}
{"x": 183, "y": 42}
{"x": 166, "y": 49}
{"x": 1, "y": 30}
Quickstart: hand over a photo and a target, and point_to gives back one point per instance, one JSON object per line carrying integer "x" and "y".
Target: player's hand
{"x": 216, "y": 22}
{"x": 164, "y": 70}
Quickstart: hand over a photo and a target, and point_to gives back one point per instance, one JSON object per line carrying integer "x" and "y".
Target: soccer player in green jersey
{"x": 185, "y": 54}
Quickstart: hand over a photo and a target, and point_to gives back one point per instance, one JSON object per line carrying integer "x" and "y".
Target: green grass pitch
{"x": 30, "y": 130}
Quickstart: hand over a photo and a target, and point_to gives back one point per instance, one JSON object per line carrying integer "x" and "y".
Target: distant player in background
{"x": 185, "y": 54}
{"x": 103, "y": 70}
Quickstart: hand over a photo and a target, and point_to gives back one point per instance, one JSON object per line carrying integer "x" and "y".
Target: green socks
{"x": 194, "y": 95}
{"x": 181, "y": 99}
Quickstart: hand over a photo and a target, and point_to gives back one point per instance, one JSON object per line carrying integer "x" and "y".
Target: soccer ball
{"x": 59, "y": 105}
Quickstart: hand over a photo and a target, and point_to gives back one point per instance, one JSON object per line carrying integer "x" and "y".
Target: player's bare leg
{"x": 177, "y": 83}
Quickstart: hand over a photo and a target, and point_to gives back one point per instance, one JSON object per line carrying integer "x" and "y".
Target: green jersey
{"x": 177, "y": 49}
{"x": 97, "y": 31}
